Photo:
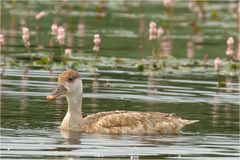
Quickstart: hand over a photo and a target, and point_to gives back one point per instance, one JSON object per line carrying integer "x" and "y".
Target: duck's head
{"x": 69, "y": 84}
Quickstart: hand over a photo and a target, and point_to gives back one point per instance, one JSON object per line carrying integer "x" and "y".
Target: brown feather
{"x": 127, "y": 122}
{"x": 68, "y": 74}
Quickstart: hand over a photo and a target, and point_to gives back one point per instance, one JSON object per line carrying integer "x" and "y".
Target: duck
{"x": 119, "y": 122}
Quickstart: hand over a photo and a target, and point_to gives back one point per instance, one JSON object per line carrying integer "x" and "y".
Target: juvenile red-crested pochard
{"x": 113, "y": 122}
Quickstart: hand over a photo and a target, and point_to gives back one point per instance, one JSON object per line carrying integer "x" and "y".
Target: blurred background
{"x": 123, "y": 25}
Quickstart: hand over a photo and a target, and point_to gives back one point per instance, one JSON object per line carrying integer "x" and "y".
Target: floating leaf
{"x": 234, "y": 66}
{"x": 140, "y": 67}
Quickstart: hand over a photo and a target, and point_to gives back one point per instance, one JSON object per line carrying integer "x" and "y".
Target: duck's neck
{"x": 73, "y": 119}
{"x": 75, "y": 105}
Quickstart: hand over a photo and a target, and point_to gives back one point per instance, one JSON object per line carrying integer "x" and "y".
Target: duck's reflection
{"x": 72, "y": 137}
{"x": 24, "y": 97}
{"x": 220, "y": 111}
{"x": 229, "y": 84}
{"x": 59, "y": 104}
{"x": 95, "y": 87}
{"x": 215, "y": 109}
{"x": 24, "y": 89}
{"x": 75, "y": 137}
{"x": 150, "y": 85}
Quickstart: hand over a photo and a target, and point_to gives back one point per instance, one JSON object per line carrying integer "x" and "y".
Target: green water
{"x": 29, "y": 123}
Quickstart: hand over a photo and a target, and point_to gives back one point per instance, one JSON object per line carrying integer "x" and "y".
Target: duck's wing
{"x": 127, "y": 122}
{"x": 114, "y": 122}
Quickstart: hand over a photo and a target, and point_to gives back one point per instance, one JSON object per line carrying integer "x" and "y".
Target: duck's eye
{"x": 70, "y": 79}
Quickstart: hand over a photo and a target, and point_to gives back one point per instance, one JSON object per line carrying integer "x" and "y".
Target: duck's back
{"x": 137, "y": 123}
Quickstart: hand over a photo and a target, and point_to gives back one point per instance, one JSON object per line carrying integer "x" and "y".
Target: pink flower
{"x": 192, "y": 5}
{"x": 96, "y": 41}
{"x": 25, "y": 36}
{"x": 2, "y": 40}
{"x": 160, "y": 32}
{"x": 230, "y": 42}
{"x": 238, "y": 52}
{"x": 152, "y": 24}
{"x": 217, "y": 64}
{"x": 152, "y": 30}
{"x": 54, "y": 29}
{"x": 68, "y": 52}
{"x": 40, "y": 15}
{"x": 25, "y": 31}
{"x": 61, "y": 35}
{"x": 168, "y": 3}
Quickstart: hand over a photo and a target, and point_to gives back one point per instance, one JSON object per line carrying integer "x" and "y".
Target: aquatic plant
{"x": 96, "y": 41}
{"x": 54, "y": 30}
{"x": 96, "y": 48}
{"x": 152, "y": 30}
{"x": 238, "y": 51}
{"x": 61, "y": 36}
{"x": 230, "y": 51}
{"x": 160, "y": 32}
{"x": 40, "y": 15}
{"x": 25, "y": 37}
{"x": 153, "y": 36}
{"x": 169, "y": 5}
{"x": 217, "y": 64}
{"x": 61, "y": 39}
{"x": 200, "y": 10}
{"x": 230, "y": 43}
{"x": 2, "y": 41}
{"x": 192, "y": 5}
{"x": 68, "y": 52}
{"x": 2, "y": 49}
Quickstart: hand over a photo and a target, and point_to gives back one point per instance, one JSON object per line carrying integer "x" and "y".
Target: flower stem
{"x": 30, "y": 54}
{"x": 153, "y": 49}
{"x": 95, "y": 58}
{"x": 62, "y": 53}
{"x": 4, "y": 61}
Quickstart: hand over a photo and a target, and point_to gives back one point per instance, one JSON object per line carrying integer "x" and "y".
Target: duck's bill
{"x": 57, "y": 92}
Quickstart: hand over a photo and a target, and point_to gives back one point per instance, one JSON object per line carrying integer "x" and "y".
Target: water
{"x": 29, "y": 123}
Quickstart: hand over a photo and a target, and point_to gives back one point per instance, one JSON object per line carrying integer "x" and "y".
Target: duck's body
{"x": 114, "y": 122}
{"x": 129, "y": 122}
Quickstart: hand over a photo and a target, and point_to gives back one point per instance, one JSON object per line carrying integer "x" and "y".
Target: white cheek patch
{"x": 74, "y": 86}
{"x": 67, "y": 86}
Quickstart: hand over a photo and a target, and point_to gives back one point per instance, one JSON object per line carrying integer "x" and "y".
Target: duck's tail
{"x": 186, "y": 122}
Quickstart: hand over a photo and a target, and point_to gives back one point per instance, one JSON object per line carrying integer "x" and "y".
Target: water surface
{"x": 29, "y": 124}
